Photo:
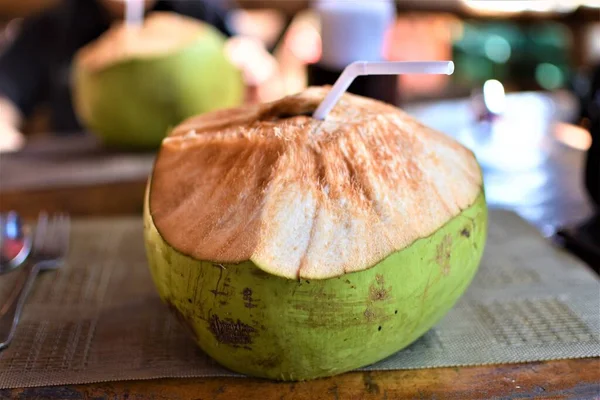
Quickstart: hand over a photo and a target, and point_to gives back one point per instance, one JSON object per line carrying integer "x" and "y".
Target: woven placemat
{"x": 100, "y": 319}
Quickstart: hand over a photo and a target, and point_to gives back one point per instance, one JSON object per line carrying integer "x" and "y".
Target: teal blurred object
{"x": 523, "y": 57}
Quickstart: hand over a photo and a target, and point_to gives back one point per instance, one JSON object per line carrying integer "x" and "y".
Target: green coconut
{"x": 294, "y": 249}
{"x": 133, "y": 84}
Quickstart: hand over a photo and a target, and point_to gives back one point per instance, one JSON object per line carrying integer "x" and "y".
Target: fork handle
{"x": 11, "y": 310}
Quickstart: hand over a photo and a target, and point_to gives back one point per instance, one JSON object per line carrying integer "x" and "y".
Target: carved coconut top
{"x": 161, "y": 33}
{"x": 304, "y": 198}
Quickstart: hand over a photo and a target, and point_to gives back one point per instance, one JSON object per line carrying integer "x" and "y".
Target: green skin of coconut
{"x": 268, "y": 326}
{"x": 134, "y": 103}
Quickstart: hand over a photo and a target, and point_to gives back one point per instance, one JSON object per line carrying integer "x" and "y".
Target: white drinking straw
{"x": 134, "y": 12}
{"x": 378, "y": 68}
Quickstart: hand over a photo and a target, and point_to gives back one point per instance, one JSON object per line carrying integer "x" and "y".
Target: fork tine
{"x": 53, "y": 235}
{"x": 40, "y": 232}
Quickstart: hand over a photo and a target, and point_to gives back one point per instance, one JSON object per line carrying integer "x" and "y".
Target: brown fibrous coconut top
{"x": 304, "y": 198}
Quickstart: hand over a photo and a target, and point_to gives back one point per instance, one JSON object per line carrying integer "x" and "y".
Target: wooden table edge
{"x": 106, "y": 199}
{"x": 555, "y": 379}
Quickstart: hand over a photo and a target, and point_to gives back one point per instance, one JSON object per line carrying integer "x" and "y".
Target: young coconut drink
{"x": 134, "y": 83}
{"x": 294, "y": 248}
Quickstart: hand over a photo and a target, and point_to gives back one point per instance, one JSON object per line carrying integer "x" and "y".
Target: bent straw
{"x": 359, "y": 68}
{"x": 134, "y": 12}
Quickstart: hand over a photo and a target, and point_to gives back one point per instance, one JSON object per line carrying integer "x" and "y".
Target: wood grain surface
{"x": 110, "y": 199}
{"x": 564, "y": 379}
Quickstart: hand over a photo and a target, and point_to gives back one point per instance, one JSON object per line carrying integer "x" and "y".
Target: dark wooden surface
{"x": 108, "y": 199}
{"x": 554, "y": 198}
{"x": 74, "y": 174}
{"x": 566, "y": 379}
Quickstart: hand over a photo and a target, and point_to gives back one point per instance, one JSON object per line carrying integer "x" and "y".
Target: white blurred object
{"x": 494, "y": 96}
{"x": 573, "y": 136}
{"x": 264, "y": 25}
{"x": 518, "y": 6}
{"x": 11, "y": 140}
{"x": 304, "y": 42}
{"x": 516, "y": 139}
{"x": 592, "y": 43}
{"x": 353, "y": 30}
{"x": 252, "y": 58}
{"x": 134, "y": 12}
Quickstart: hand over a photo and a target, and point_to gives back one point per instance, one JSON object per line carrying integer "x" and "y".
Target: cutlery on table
{"x": 15, "y": 242}
{"x": 50, "y": 246}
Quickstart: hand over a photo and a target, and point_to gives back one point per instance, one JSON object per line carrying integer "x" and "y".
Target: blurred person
{"x": 35, "y": 67}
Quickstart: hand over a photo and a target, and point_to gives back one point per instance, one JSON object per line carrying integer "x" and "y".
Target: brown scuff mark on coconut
{"x": 369, "y": 315}
{"x": 318, "y": 312}
{"x": 377, "y": 290}
{"x": 377, "y": 293}
{"x": 271, "y": 362}
{"x": 249, "y": 302}
{"x": 222, "y": 290}
{"x": 228, "y": 331}
{"x": 443, "y": 254}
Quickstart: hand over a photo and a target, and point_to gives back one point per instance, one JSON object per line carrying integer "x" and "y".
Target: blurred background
{"x": 526, "y": 45}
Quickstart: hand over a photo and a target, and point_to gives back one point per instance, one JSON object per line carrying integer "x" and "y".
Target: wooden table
{"x": 554, "y": 198}
{"x": 75, "y": 174}
{"x": 568, "y": 379}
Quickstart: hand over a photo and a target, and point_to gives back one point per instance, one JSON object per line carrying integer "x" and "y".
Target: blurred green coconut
{"x": 134, "y": 83}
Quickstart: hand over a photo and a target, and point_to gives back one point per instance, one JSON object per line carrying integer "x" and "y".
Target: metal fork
{"x": 50, "y": 247}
